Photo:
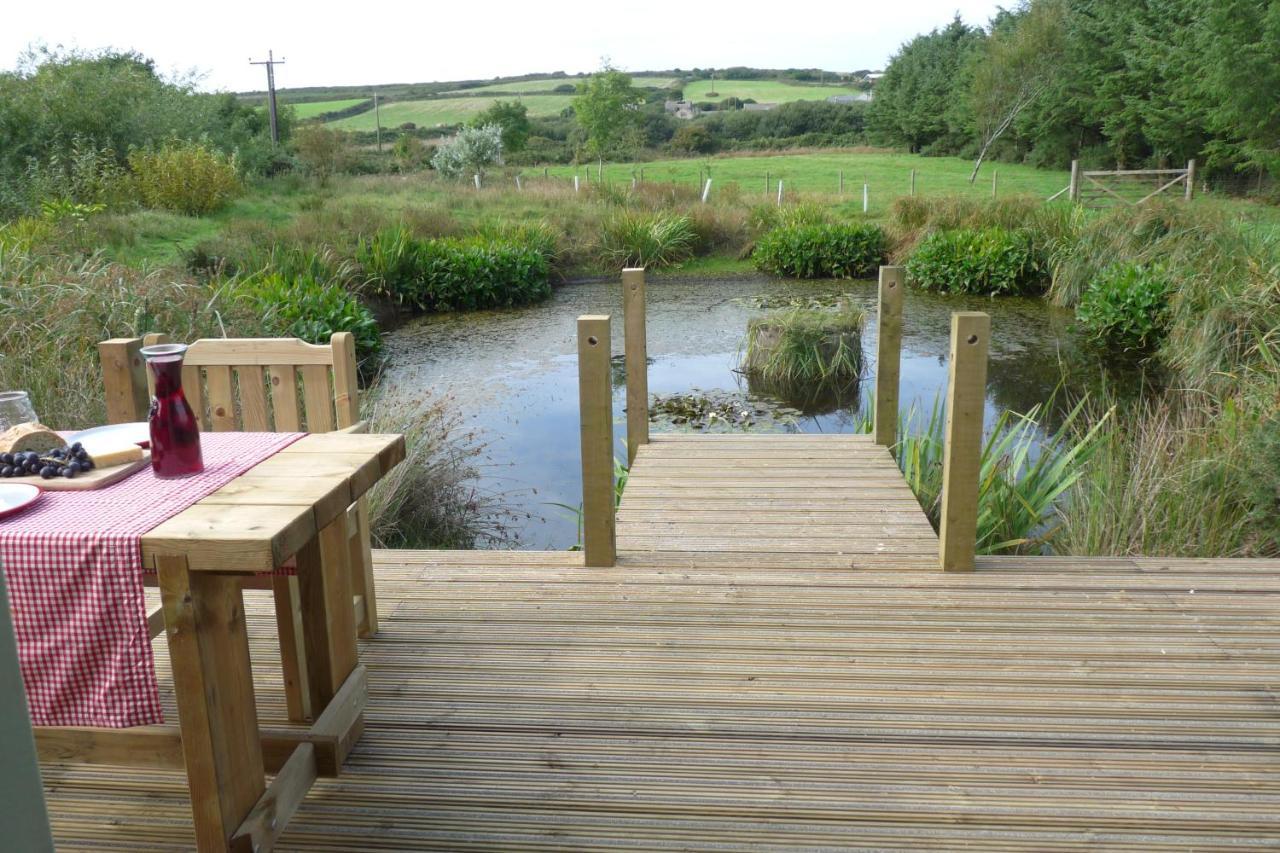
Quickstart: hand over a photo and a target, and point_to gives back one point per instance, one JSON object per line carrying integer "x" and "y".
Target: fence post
{"x": 841, "y": 182}
{"x": 888, "y": 355}
{"x": 962, "y": 453}
{"x": 1191, "y": 180}
{"x": 913, "y": 181}
{"x": 1074, "y": 187}
{"x": 124, "y": 378}
{"x": 595, "y": 404}
{"x": 637, "y": 360}
{"x": 995, "y": 176}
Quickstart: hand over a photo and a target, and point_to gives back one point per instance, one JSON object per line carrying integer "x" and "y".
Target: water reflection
{"x": 513, "y": 373}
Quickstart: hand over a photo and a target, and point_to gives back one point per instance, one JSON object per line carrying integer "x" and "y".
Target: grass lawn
{"x": 763, "y": 91}
{"x": 446, "y": 111}
{"x": 888, "y": 175}
{"x": 315, "y": 108}
{"x": 549, "y": 83}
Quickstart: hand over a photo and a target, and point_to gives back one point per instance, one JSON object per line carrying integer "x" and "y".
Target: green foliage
{"x": 185, "y": 177}
{"x": 1127, "y": 305}
{"x": 630, "y": 238}
{"x": 694, "y": 138}
{"x": 921, "y": 100}
{"x": 512, "y": 117}
{"x": 994, "y": 261}
{"x": 457, "y": 275}
{"x": 322, "y": 151}
{"x": 605, "y": 108}
{"x": 313, "y": 310}
{"x": 821, "y": 251}
{"x": 804, "y": 346}
{"x": 469, "y": 153}
{"x": 1023, "y": 478}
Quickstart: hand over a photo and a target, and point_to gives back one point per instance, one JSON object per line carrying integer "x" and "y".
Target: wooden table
{"x": 293, "y": 504}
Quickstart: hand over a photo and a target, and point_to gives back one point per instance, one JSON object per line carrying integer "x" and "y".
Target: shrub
{"x": 635, "y": 239}
{"x": 185, "y": 177}
{"x": 821, "y": 251}
{"x": 311, "y": 309}
{"x": 1127, "y": 305}
{"x": 994, "y": 260}
{"x": 469, "y": 153}
{"x": 323, "y": 151}
{"x": 389, "y": 259}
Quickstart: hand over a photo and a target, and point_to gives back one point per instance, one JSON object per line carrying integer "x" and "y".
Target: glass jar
{"x": 175, "y": 428}
{"x": 16, "y": 408}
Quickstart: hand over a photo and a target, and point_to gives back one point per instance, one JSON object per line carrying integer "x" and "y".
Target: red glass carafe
{"x": 175, "y": 427}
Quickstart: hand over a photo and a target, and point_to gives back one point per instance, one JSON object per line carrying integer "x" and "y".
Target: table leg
{"x": 324, "y": 579}
{"x": 213, "y": 684}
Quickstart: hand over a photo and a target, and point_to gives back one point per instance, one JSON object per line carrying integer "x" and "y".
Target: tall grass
{"x": 640, "y": 239}
{"x": 805, "y": 347}
{"x": 1178, "y": 476}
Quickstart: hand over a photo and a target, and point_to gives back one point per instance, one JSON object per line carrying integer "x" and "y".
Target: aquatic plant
{"x": 805, "y": 347}
{"x": 1127, "y": 305}
{"x": 821, "y": 251}
{"x": 992, "y": 261}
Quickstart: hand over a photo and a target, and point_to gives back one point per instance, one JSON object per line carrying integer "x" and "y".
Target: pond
{"x": 513, "y": 374}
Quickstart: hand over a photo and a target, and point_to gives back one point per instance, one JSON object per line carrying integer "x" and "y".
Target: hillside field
{"x": 446, "y": 111}
{"x": 762, "y": 91}
{"x": 550, "y": 83}
{"x": 888, "y": 175}
{"x": 315, "y": 108}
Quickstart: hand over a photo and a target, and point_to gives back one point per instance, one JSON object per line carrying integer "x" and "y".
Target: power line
{"x": 271, "y": 62}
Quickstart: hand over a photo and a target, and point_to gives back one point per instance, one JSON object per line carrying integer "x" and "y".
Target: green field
{"x": 762, "y": 91}
{"x": 549, "y": 83}
{"x": 446, "y": 111}
{"x": 315, "y": 108}
{"x": 887, "y": 176}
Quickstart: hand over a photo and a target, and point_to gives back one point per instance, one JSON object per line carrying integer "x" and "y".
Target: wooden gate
{"x": 1126, "y": 186}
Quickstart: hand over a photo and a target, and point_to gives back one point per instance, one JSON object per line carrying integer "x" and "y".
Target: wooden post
{"x": 962, "y": 454}
{"x": 22, "y": 806}
{"x": 637, "y": 360}
{"x": 913, "y": 181}
{"x": 1190, "y": 192}
{"x": 1073, "y": 191}
{"x": 124, "y": 379}
{"x": 595, "y": 395}
{"x": 888, "y": 355}
{"x": 766, "y": 182}
{"x": 995, "y": 176}
{"x": 841, "y": 182}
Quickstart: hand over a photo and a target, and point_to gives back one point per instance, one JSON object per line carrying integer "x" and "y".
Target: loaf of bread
{"x": 29, "y": 437}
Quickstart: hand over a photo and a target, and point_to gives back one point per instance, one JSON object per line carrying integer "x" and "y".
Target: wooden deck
{"x": 808, "y": 682}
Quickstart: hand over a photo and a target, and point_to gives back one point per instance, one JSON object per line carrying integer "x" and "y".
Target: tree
{"x": 322, "y": 151}
{"x": 607, "y": 111}
{"x": 512, "y": 117}
{"x": 1013, "y": 68}
{"x": 922, "y": 100}
{"x": 470, "y": 152}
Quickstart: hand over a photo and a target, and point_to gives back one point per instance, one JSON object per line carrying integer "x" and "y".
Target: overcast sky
{"x": 399, "y": 42}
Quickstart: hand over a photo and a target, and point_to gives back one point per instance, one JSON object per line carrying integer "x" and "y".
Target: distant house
{"x": 758, "y": 108}
{"x": 680, "y": 109}
{"x": 849, "y": 99}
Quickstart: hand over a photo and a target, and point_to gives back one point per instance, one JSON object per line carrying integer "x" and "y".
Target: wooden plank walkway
{"x": 520, "y": 701}
{"x": 776, "y": 500}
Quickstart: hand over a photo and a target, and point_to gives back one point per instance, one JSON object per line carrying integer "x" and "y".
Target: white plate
{"x": 15, "y": 497}
{"x": 113, "y": 436}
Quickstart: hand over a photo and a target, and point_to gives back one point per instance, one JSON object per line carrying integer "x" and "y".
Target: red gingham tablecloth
{"x": 73, "y": 563}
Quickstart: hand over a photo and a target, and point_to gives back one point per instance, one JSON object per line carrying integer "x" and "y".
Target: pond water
{"x": 513, "y": 374}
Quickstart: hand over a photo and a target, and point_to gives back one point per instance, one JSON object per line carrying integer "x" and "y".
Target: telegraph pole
{"x": 271, "y": 62}
{"x": 377, "y": 117}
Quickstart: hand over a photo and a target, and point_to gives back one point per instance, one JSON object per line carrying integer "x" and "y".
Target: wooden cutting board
{"x": 95, "y": 479}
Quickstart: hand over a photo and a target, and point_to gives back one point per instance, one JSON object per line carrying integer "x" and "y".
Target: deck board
{"x": 523, "y": 702}
{"x": 839, "y": 500}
